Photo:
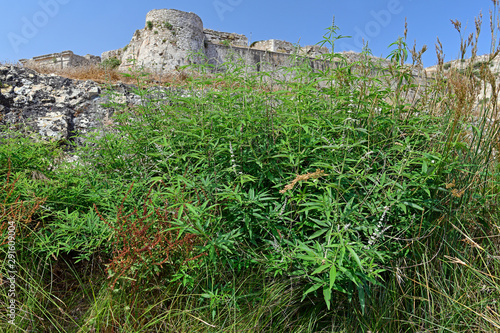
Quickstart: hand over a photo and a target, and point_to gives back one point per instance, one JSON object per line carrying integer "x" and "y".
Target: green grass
{"x": 324, "y": 202}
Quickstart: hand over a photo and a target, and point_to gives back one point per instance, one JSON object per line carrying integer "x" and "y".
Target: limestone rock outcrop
{"x": 53, "y": 107}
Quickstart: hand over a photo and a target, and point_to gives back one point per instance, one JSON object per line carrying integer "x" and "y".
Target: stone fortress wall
{"x": 225, "y": 38}
{"x": 61, "y": 60}
{"x": 173, "y": 38}
{"x": 274, "y": 45}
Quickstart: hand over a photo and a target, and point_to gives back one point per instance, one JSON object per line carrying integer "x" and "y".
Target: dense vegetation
{"x": 338, "y": 201}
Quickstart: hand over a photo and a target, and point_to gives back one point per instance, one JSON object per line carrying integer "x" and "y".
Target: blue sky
{"x": 34, "y": 27}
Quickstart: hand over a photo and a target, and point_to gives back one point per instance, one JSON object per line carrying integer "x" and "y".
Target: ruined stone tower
{"x": 168, "y": 40}
{"x": 171, "y": 38}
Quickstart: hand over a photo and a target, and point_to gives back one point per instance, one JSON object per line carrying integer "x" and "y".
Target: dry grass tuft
{"x": 102, "y": 74}
{"x": 92, "y": 72}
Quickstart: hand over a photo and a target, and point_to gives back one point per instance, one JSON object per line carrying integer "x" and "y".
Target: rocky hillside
{"x": 54, "y": 107}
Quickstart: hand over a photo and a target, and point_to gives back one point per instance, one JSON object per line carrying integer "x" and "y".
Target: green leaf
{"x": 424, "y": 167}
{"x": 333, "y": 275}
{"x": 319, "y": 222}
{"x": 361, "y": 296}
{"x": 308, "y": 258}
{"x": 311, "y": 289}
{"x": 320, "y": 269}
{"x": 413, "y": 205}
{"x": 327, "y": 294}
{"x": 355, "y": 256}
{"x": 317, "y": 279}
{"x": 318, "y": 233}
{"x": 306, "y": 249}
{"x": 403, "y": 207}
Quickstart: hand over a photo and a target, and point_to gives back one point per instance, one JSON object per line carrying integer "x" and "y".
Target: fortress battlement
{"x": 172, "y": 38}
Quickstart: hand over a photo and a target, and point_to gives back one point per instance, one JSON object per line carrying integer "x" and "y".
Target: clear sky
{"x": 34, "y": 27}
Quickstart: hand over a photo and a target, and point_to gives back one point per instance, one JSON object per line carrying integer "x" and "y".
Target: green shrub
{"x": 254, "y": 43}
{"x": 168, "y": 25}
{"x": 79, "y": 233}
{"x": 319, "y": 189}
{"x": 111, "y": 63}
{"x": 479, "y": 64}
{"x": 149, "y": 25}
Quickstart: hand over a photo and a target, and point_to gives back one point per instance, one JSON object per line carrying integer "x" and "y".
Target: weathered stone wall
{"x": 112, "y": 54}
{"x": 313, "y": 50}
{"x": 172, "y": 37}
{"x": 92, "y": 58}
{"x": 274, "y": 45}
{"x": 217, "y": 37}
{"x": 168, "y": 41}
{"x": 254, "y": 60}
{"x": 61, "y": 60}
